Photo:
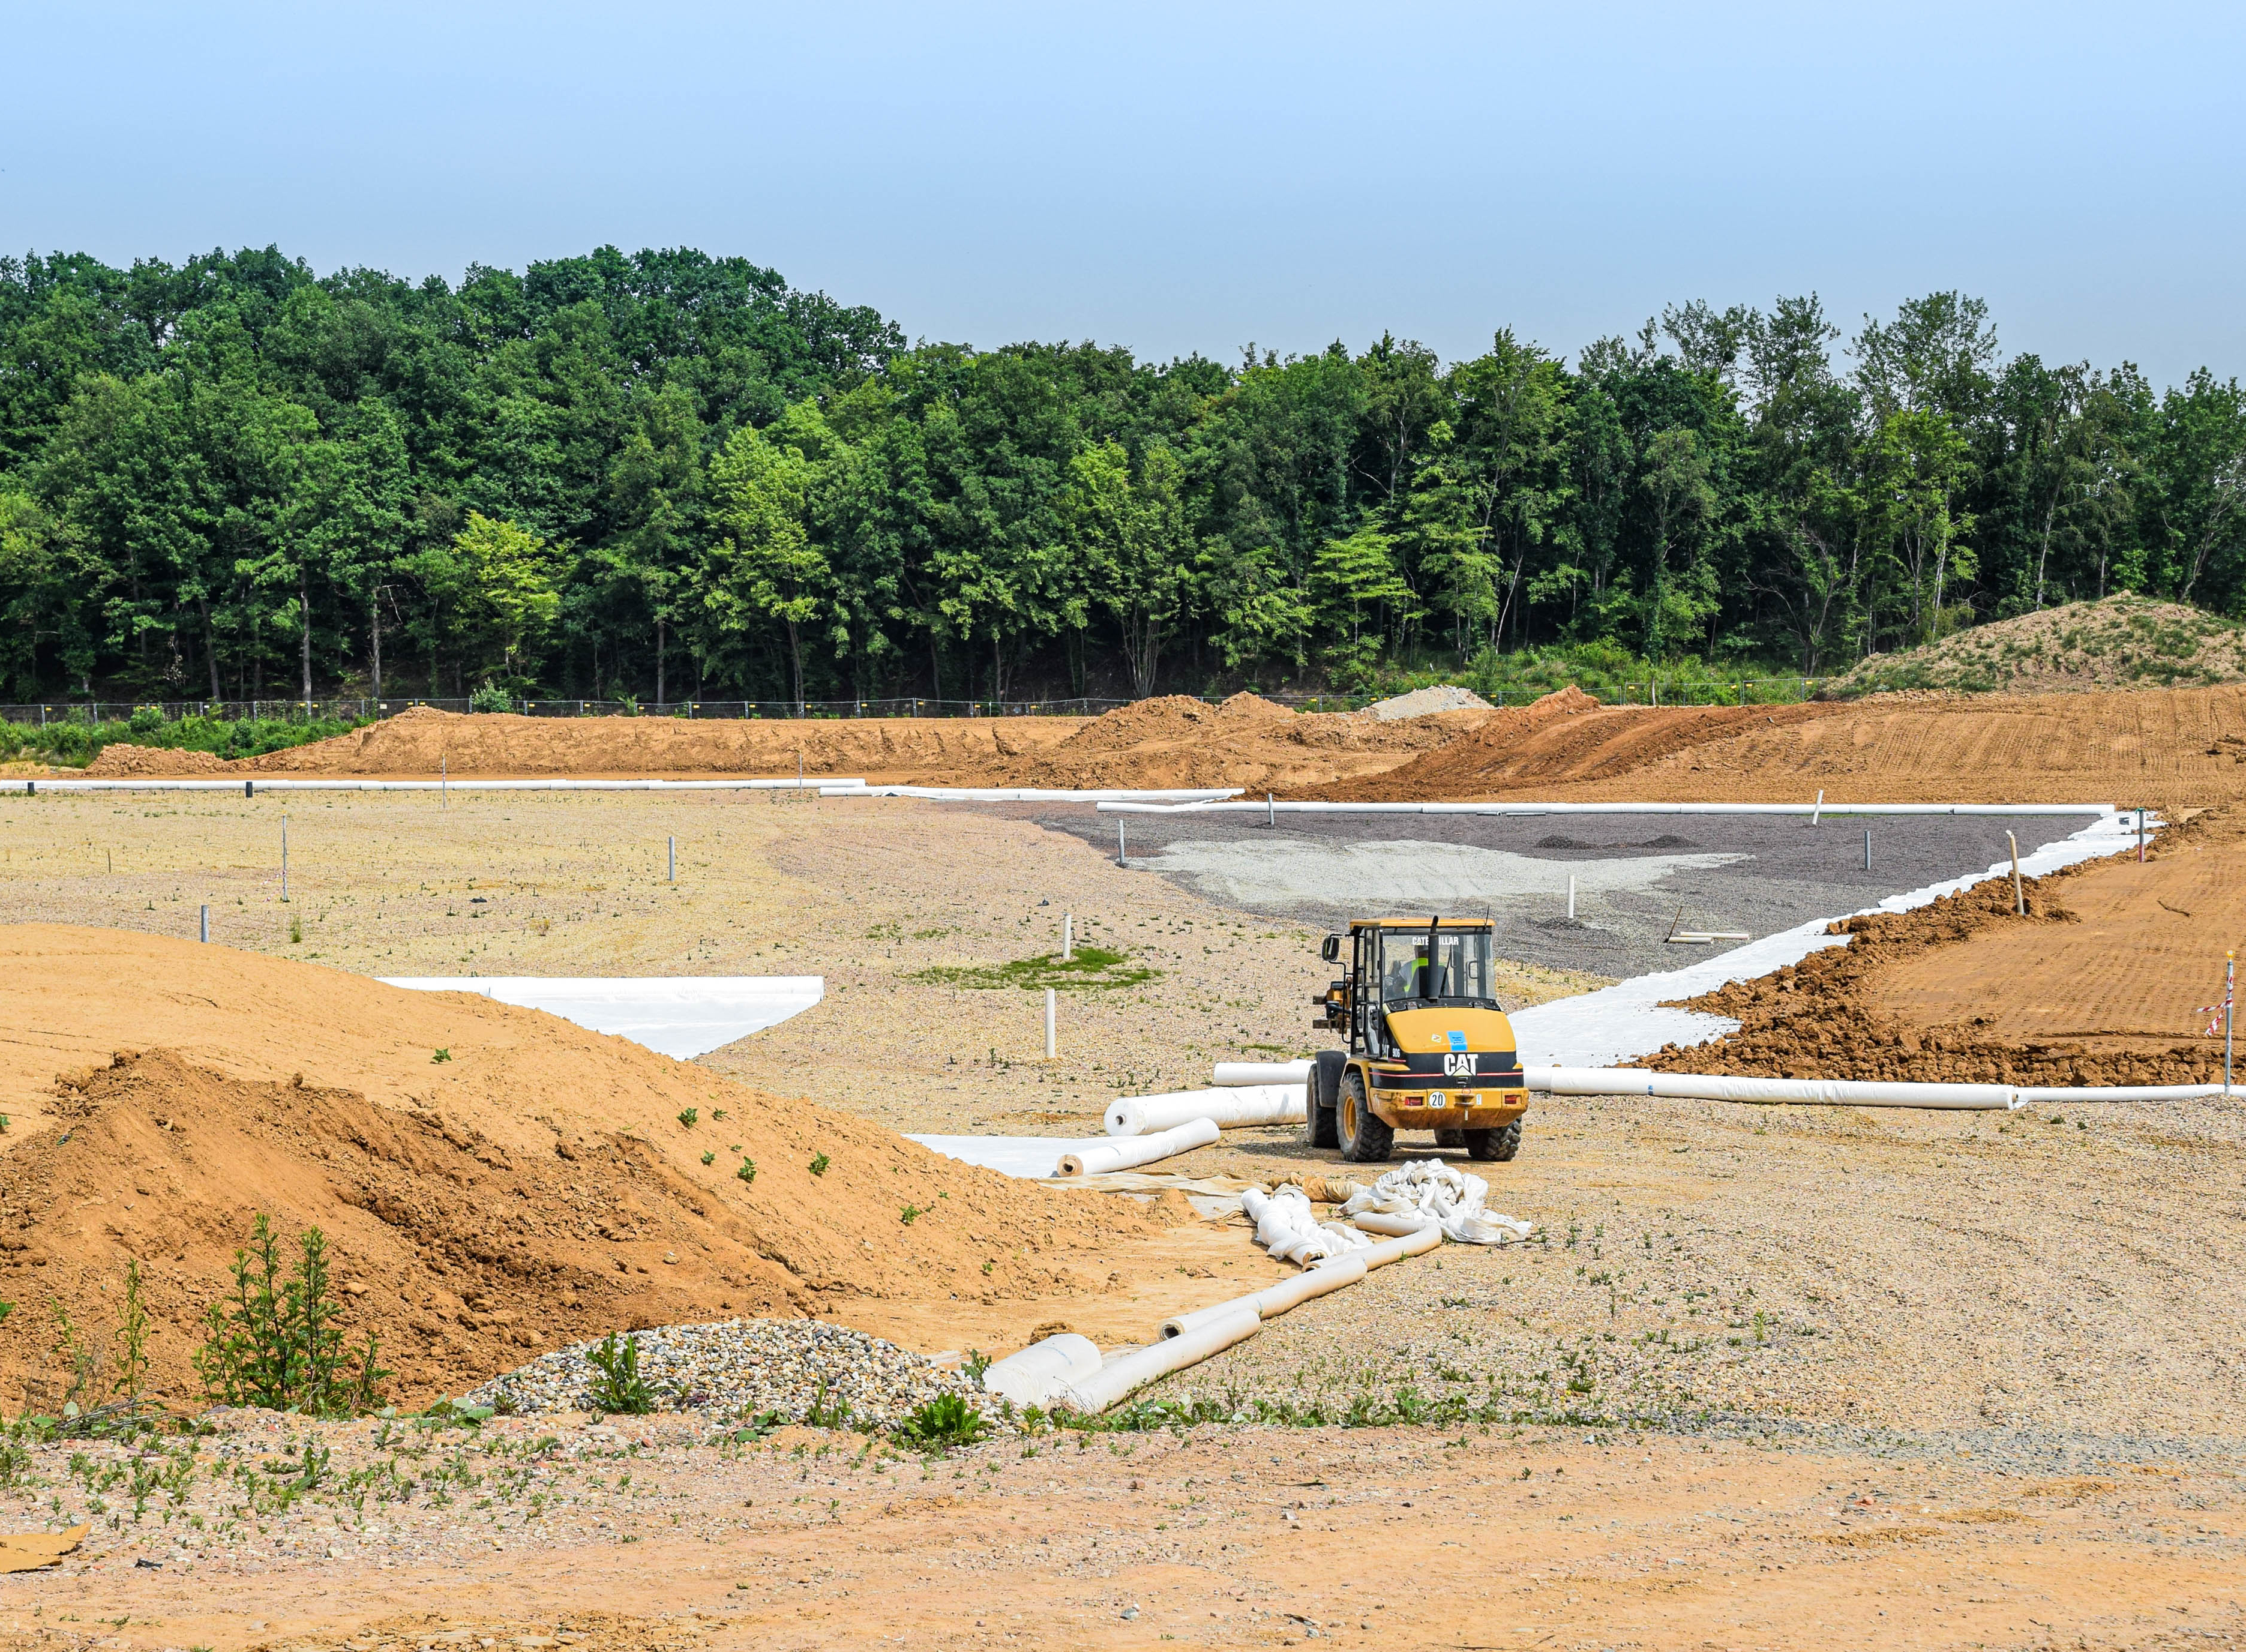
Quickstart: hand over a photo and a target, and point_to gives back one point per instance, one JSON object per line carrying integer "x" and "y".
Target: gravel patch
{"x": 742, "y": 1367}
{"x": 1446, "y": 696}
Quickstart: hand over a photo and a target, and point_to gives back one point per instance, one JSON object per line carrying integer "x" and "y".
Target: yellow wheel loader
{"x": 1428, "y": 1047}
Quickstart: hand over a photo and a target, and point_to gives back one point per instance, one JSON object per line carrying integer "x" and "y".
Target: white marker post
{"x": 203, "y": 929}
{"x": 674, "y": 859}
{"x": 1052, "y": 1024}
{"x": 1067, "y": 936}
{"x": 2019, "y": 896}
{"x": 284, "y": 857}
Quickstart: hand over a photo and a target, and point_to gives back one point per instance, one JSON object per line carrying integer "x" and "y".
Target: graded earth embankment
{"x": 491, "y": 1180}
{"x": 2103, "y": 982}
{"x": 2183, "y": 747}
{"x": 1173, "y": 741}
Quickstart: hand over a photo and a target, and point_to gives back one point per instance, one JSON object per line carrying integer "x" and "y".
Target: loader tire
{"x": 1364, "y": 1139}
{"x": 1319, "y": 1129}
{"x": 1450, "y": 1138}
{"x": 1494, "y": 1146}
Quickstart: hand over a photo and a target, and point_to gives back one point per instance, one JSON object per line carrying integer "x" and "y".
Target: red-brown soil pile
{"x": 2172, "y": 747}
{"x": 536, "y": 1187}
{"x": 1247, "y": 741}
{"x": 2098, "y": 984}
{"x": 124, "y": 761}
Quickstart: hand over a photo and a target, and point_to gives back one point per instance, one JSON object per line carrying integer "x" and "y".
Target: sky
{"x": 1183, "y": 177}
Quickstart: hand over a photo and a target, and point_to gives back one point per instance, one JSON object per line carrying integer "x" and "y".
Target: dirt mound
{"x": 1443, "y": 696}
{"x": 537, "y": 1187}
{"x": 2123, "y": 641}
{"x": 1566, "y": 738}
{"x": 1968, "y": 991}
{"x": 124, "y": 761}
{"x": 1247, "y": 741}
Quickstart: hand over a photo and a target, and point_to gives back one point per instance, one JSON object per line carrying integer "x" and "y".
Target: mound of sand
{"x": 1444, "y": 697}
{"x": 536, "y": 1187}
{"x": 1247, "y": 741}
{"x": 124, "y": 761}
{"x": 1966, "y": 990}
{"x": 2123, "y": 641}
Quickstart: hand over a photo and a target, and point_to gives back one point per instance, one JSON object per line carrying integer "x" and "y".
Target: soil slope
{"x": 2123, "y": 641}
{"x": 2171, "y": 747}
{"x": 535, "y": 1187}
{"x": 2100, "y": 983}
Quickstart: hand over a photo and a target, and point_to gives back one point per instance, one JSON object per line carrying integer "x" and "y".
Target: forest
{"x": 666, "y": 475}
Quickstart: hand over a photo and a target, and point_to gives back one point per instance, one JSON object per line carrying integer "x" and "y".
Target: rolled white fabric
{"x": 1261, "y": 1073}
{"x": 1230, "y": 1108}
{"x": 1031, "y": 1376}
{"x": 1290, "y": 1229}
{"x": 2036, "y": 1095}
{"x": 1114, "y": 1381}
{"x": 1828, "y": 1092}
{"x": 1395, "y": 1250}
{"x": 1127, "y": 1152}
{"x": 1374, "y": 1221}
{"x": 1273, "y": 1299}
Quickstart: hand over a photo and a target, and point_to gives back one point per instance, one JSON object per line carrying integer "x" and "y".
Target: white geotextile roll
{"x": 1395, "y": 1250}
{"x": 1230, "y": 1108}
{"x": 1094, "y": 1393}
{"x": 1317, "y": 1280}
{"x": 1032, "y": 1376}
{"x": 2036, "y": 1095}
{"x": 1828, "y": 1092}
{"x": 1126, "y": 1152}
{"x": 1290, "y": 1229}
{"x": 1430, "y": 1192}
{"x": 1261, "y": 1073}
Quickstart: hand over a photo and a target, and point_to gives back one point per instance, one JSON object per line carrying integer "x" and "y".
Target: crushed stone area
{"x": 1635, "y": 875}
{"x": 792, "y": 1369}
{"x": 649, "y": 1535}
{"x": 1443, "y": 696}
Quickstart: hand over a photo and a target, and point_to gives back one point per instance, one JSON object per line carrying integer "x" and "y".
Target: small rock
{"x": 1130, "y": 1612}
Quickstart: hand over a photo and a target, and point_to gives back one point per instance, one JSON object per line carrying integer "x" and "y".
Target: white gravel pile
{"x": 1446, "y": 696}
{"x": 742, "y": 1366}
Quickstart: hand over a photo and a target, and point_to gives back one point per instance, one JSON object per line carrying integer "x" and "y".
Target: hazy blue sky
{"x": 1188, "y": 177}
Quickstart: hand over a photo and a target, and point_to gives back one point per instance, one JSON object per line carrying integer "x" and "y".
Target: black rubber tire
{"x": 1364, "y": 1139}
{"x": 1319, "y": 1129}
{"x": 1450, "y": 1138}
{"x": 1494, "y": 1146}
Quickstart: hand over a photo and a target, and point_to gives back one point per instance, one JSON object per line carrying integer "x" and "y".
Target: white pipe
{"x": 1524, "y": 807}
{"x": 1120, "y": 1378}
{"x": 1052, "y": 1024}
{"x": 1029, "y": 1376}
{"x": 1397, "y": 1226}
{"x": 1831, "y": 1093}
{"x": 1126, "y": 1152}
{"x": 1230, "y": 1108}
{"x": 1319, "y": 1280}
{"x": 1840, "y": 1093}
{"x": 1395, "y": 1250}
{"x": 1261, "y": 1073}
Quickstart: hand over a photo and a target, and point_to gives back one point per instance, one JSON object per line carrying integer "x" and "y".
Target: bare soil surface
{"x": 1778, "y": 1376}
{"x": 2175, "y": 748}
{"x": 2121, "y": 641}
{"x": 634, "y": 1537}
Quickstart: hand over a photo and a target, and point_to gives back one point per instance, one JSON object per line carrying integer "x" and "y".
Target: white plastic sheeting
{"x": 1031, "y": 1158}
{"x": 681, "y": 1016}
{"x": 1428, "y": 1192}
{"x": 1840, "y": 1092}
{"x": 1805, "y": 808}
{"x": 1626, "y": 1020}
{"x": 1023, "y": 794}
{"x": 1119, "y": 1378}
{"x": 1229, "y": 1108}
{"x": 1290, "y": 1229}
{"x": 1261, "y": 1073}
{"x": 1128, "y": 1152}
{"x": 1032, "y": 1376}
{"x": 1319, "y": 1280}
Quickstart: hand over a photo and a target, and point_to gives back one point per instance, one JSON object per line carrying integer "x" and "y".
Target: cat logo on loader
{"x": 1428, "y": 1047}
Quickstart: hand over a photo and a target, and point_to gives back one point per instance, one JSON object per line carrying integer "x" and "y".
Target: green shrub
{"x": 491, "y": 697}
{"x": 619, "y": 1387}
{"x": 943, "y": 1422}
{"x": 275, "y": 1344}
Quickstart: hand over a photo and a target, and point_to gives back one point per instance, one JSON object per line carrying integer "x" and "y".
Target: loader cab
{"x": 1427, "y": 1045}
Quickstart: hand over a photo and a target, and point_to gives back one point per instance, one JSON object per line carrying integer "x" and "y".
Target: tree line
{"x": 666, "y": 474}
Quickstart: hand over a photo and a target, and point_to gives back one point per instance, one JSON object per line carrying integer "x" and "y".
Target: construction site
{"x": 815, "y": 1183}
